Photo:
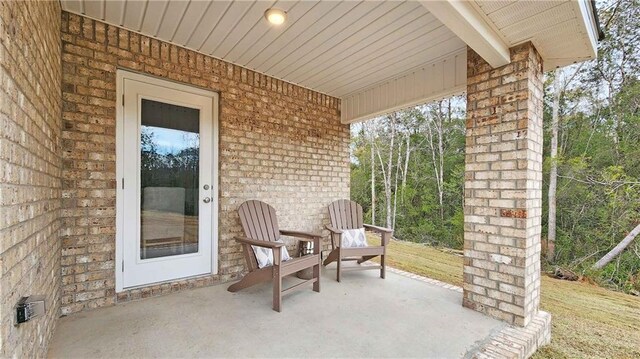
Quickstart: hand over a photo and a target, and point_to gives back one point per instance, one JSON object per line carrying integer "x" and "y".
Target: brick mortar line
{"x": 22, "y": 223}
{"x": 30, "y": 152}
{"x": 31, "y": 136}
{"x": 28, "y": 99}
{"x": 19, "y": 71}
{"x": 35, "y": 265}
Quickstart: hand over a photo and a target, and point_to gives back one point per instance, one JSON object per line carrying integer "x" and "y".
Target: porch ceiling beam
{"x": 469, "y": 24}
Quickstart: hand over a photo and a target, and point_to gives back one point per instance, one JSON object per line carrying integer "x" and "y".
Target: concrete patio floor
{"x": 363, "y": 316}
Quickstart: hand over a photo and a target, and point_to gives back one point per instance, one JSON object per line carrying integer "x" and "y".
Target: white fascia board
{"x": 589, "y": 23}
{"x": 431, "y": 82}
{"x": 464, "y": 20}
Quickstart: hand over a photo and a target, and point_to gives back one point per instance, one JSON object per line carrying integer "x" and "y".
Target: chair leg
{"x": 382, "y": 266}
{"x": 333, "y": 255}
{"x": 238, "y": 285}
{"x": 339, "y": 262}
{"x": 316, "y": 275}
{"x": 277, "y": 289}
{"x": 251, "y": 278}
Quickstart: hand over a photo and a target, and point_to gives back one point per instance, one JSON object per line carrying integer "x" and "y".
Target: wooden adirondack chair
{"x": 261, "y": 229}
{"x": 347, "y": 214}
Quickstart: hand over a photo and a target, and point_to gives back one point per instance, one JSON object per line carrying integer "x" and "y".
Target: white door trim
{"x": 121, "y": 75}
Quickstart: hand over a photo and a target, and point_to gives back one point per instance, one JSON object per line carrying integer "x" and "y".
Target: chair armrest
{"x": 264, "y": 244}
{"x": 385, "y": 233}
{"x": 305, "y": 236}
{"x": 377, "y": 229}
{"x": 333, "y": 229}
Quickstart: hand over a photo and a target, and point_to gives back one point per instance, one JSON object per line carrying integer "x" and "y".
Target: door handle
{"x": 206, "y": 200}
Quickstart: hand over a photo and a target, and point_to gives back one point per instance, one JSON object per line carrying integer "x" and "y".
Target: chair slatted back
{"x": 259, "y": 222}
{"x": 346, "y": 214}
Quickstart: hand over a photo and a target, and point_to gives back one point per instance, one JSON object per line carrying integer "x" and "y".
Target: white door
{"x": 167, "y": 190}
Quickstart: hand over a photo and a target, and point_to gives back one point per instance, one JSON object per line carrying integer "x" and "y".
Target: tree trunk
{"x": 373, "y": 178}
{"x": 441, "y": 156}
{"x": 553, "y": 173}
{"x": 386, "y": 172}
{"x": 406, "y": 166}
{"x": 395, "y": 186}
{"x": 435, "y": 134}
{"x": 387, "y": 186}
{"x": 618, "y": 249}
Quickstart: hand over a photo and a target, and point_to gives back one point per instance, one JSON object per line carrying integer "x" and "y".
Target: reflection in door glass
{"x": 169, "y": 163}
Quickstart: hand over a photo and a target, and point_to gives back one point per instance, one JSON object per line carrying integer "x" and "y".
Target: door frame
{"x": 121, "y": 75}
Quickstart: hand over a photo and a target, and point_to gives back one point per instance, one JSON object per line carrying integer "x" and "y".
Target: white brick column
{"x": 503, "y": 186}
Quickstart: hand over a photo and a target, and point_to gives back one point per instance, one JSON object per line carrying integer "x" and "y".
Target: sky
{"x": 170, "y": 141}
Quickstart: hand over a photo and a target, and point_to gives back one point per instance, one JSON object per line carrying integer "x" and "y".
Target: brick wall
{"x": 30, "y": 168}
{"x": 278, "y": 142}
{"x": 503, "y": 186}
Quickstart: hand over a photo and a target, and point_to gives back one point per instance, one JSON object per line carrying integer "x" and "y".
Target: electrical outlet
{"x": 28, "y": 308}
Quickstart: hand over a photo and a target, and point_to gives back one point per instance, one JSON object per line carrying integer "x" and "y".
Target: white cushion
{"x": 264, "y": 256}
{"x": 353, "y": 238}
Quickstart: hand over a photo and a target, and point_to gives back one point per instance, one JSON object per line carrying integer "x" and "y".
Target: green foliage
{"x": 598, "y": 188}
{"x": 419, "y": 216}
{"x": 598, "y": 197}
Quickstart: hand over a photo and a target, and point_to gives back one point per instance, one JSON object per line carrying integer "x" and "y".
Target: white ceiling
{"x": 335, "y": 47}
{"x": 374, "y": 55}
{"x": 555, "y": 27}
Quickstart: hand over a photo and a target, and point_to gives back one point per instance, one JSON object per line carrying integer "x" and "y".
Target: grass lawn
{"x": 588, "y": 321}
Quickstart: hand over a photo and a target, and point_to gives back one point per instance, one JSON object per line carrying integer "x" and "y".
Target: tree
{"x": 435, "y": 139}
{"x": 373, "y": 173}
{"x": 387, "y": 173}
{"x": 560, "y": 84}
{"x": 618, "y": 249}
{"x": 553, "y": 173}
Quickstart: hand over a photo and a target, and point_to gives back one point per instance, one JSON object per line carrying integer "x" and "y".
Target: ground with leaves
{"x": 588, "y": 321}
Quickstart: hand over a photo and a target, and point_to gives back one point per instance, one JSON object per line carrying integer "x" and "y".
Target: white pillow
{"x": 264, "y": 256}
{"x": 353, "y": 238}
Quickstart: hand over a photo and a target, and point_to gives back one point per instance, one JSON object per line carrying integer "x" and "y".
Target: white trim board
{"x": 470, "y": 25}
{"x": 437, "y": 80}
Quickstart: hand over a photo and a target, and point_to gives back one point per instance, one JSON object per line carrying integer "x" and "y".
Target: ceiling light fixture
{"x": 275, "y": 16}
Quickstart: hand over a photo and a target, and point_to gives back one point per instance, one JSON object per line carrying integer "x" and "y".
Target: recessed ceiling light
{"x": 275, "y": 16}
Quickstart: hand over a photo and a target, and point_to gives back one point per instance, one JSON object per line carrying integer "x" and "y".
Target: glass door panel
{"x": 169, "y": 168}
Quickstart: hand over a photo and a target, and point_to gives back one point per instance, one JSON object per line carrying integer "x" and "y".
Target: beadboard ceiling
{"x": 357, "y": 42}
{"x": 556, "y": 28}
{"x": 374, "y": 55}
